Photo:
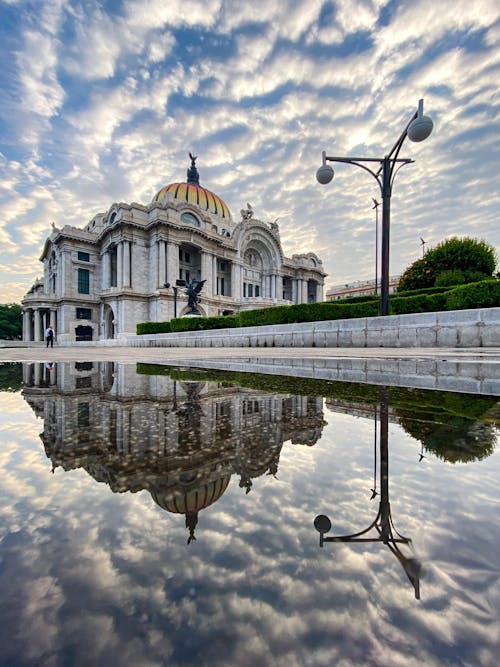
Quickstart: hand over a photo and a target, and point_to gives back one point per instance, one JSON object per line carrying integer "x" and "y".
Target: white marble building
{"x": 101, "y": 280}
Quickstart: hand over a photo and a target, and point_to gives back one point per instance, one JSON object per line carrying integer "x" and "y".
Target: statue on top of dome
{"x": 192, "y": 172}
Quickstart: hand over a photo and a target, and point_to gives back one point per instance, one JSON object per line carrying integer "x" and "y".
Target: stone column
{"x": 206, "y": 272}
{"x": 38, "y": 334}
{"x": 26, "y": 325}
{"x": 214, "y": 274}
{"x": 279, "y": 287}
{"x": 105, "y": 263}
{"x": 172, "y": 262}
{"x": 236, "y": 281}
{"x": 126, "y": 263}
{"x": 294, "y": 290}
{"x": 119, "y": 265}
{"x": 304, "y": 291}
{"x": 267, "y": 290}
{"x": 162, "y": 264}
{"x": 319, "y": 292}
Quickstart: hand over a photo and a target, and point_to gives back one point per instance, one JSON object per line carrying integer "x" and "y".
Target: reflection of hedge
{"x": 485, "y": 294}
{"x": 453, "y": 426}
{"x": 11, "y": 376}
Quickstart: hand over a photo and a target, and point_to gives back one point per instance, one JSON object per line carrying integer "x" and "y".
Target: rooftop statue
{"x": 247, "y": 213}
{"x": 192, "y": 172}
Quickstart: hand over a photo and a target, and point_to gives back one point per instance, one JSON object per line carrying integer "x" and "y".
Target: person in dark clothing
{"x": 49, "y": 336}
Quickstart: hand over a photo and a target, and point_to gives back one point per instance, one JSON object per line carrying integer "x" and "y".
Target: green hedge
{"x": 420, "y": 303}
{"x": 426, "y": 290}
{"x": 308, "y": 312}
{"x": 204, "y": 323}
{"x": 485, "y": 294}
{"x": 153, "y": 328}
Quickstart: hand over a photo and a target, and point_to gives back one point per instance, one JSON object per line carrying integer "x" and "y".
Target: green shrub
{"x": 153, "y": 328}
{"x": 447, "y": 278}
{"x": 357, "y": 299}
{"x": 205, "y": 323}
{"x": 475, "y": 259}
{"x": 485, "y": 294}
{"x": 424, "y": 290}
{"x": 420, "y": 303}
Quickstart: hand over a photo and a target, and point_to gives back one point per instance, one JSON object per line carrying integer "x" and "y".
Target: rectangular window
{"x": 222, "y": 286}
{"x": 83, "y": 383}
{"x": 187, "y": 257}
{"x": 84, "y": 313}
{"x": 250, "y": 289}
{"x": 257, "y": 290}
{"x": 84, "y": 365}
{"x": 83, "y": 256}
{"x": 244, "y": 289}
{"x": 83, "y": 281}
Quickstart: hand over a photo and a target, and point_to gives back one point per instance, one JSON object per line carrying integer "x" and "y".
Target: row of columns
{"x": 123, "y": 265}
{"x": 35, "y": 321}
{"x": 272, "y": 285}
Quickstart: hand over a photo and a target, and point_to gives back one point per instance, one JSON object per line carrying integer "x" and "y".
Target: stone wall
{"x": 461, "y": 328}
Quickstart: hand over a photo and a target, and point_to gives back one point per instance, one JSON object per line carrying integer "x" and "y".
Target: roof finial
{"x": 192, "y": 172}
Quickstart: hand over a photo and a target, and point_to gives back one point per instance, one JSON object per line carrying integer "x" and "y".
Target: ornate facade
{"x": 99, "y": 282}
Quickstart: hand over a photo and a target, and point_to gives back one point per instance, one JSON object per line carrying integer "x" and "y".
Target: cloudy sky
{"x": 103, "y": 99}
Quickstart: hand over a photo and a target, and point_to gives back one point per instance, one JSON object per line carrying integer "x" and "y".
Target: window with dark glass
{"x": 83, "y": 281}
{"x": 84, "y": 313}
{"x": 83, "y": 383}
{"x": 83, "y": 256}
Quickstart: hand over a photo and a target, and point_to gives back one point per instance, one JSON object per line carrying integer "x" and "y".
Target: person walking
{"x": 49, "y": 336}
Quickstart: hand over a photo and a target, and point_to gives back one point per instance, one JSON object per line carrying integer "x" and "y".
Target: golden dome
{"x": 194, "y": 194}
{"x": 191, "y": 192}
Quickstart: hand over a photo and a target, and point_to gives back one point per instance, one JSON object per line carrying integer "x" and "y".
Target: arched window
{"x": 190, "y": 219}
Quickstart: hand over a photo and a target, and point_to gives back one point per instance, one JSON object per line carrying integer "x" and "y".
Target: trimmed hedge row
{"x": 153, "y": 328}
{"x": 204, "y": 323}
{"x": 485, "y": 294}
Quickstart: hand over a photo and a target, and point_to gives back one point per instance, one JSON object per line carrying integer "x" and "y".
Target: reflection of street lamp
{"x": 418, "y": 129}
{"x": 178, "y": 283}
{"x": 382, "y": 523}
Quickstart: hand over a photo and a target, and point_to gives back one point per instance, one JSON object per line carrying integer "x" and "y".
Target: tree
{"x": 452, "y": 262}
{"x": 11, "y": 322}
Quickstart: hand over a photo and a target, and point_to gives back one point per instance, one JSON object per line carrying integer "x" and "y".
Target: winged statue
{"x": 193, "y": 290}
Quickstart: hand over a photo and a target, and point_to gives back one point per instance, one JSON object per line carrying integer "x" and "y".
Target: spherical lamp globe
{"x": 420, "y": 128}
{"x": 324, "y": 174}
{"x": 322, "y": 523}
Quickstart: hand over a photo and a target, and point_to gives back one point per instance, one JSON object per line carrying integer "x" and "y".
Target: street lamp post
{"x": 178, "y": 283}
{"x": 418, "y": 128}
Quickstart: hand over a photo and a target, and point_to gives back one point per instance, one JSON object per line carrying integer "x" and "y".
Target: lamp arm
{"x": 355, "y": 162}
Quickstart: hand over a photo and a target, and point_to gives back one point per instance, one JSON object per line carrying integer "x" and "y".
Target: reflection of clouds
{"x": 111, "y": 576}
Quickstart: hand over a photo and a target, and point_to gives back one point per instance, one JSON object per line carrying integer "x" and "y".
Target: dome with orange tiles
{"x": 192, "y": 192}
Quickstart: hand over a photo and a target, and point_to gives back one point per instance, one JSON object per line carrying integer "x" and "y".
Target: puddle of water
{"x": 154, "y": 516}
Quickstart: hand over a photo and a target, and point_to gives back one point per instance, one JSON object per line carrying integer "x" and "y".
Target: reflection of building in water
{"x": 180, "y": 440}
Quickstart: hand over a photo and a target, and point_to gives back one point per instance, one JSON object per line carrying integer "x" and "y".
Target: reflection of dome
{"x": 191, "y": 192}
{"x": 195, "y": 499}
